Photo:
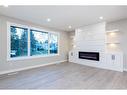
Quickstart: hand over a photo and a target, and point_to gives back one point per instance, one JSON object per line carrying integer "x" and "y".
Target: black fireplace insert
{"x": 89, "y": 55}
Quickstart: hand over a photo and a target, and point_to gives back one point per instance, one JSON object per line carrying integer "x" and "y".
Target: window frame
{"x": 9, "y": 24}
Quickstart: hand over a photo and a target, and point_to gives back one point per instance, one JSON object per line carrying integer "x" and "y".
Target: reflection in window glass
{"x": 19, "y": 41}
{"x": 39, "y": 42}
{"x": 53, "y": 41}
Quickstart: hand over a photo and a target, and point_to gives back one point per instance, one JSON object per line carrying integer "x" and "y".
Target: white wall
{"x": 12, "y": 65}
{"x": 122, "y": 35}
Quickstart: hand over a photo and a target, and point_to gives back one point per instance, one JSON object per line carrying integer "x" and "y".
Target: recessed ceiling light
{"x": 101, "y": 17}
{"x": 70, "y": 27}
{"x": 48, "y": 19}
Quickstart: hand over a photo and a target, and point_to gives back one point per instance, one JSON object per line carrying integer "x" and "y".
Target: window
{"x": 29, "y": 42}
{"x": 53, "y": 42}
{"x": 19, "y": 41}
{"x": 39, "y": 42}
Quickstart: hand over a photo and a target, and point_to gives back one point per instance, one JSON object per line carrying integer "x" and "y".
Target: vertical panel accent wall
{"x": 90, "y": 38}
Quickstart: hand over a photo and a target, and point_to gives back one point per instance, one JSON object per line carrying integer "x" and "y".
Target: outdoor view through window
{"x": 41, "y": 43}
{"x": 19, "y": 41}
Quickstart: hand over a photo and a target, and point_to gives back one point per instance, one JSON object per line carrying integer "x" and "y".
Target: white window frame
{"x": 28, "y": 56}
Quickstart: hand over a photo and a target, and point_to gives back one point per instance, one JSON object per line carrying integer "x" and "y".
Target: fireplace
{"x": 89, "y": 55}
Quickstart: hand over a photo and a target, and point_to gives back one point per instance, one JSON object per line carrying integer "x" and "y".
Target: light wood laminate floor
{"x": 65, "y": 76}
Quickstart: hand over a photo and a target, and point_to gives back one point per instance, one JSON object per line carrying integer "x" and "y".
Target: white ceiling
{"x": 63, "y": 16}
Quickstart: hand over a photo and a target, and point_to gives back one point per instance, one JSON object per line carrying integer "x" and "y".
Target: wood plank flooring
{"x": 65, "y": 76}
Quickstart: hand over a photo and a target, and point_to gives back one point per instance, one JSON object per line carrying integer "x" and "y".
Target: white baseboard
{"x": 125, "y": 69}
{"x": 30, "y": 67}
{"x": 101, "y": 67}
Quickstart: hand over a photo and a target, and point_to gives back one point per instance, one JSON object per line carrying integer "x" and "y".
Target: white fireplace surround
{"x": 92, "y": 38}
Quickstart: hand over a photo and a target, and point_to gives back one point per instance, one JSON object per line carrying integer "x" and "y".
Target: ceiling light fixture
{"x": 48, "y": 19}
{"x": 70, "y": 27}
{"x": 101, "y": 17}
{"x": 112, "y": 34}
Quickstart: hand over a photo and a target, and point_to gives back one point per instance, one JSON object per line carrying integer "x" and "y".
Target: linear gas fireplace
{"x": 89, "y": 55}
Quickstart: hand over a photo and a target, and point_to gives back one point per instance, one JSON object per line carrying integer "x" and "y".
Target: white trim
{"x": 31, "y": 67}
{"x": 31, "y": 57}
{"x": 101, "y": 67}
{"x": 8, "y": 40}
{"x": 28, "y": 49}
{"x": 43, "y": 30}
{"x": 48, "y": 43}
{"x": 125, "y": 69}
{"x": 28, "y": 56}
{"x": 115, "y": 30}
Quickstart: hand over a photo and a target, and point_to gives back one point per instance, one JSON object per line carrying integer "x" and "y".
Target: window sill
{"x": 31, "y": 57}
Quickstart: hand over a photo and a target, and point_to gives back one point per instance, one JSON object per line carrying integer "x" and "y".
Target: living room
{"x": 63, "y": 47}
